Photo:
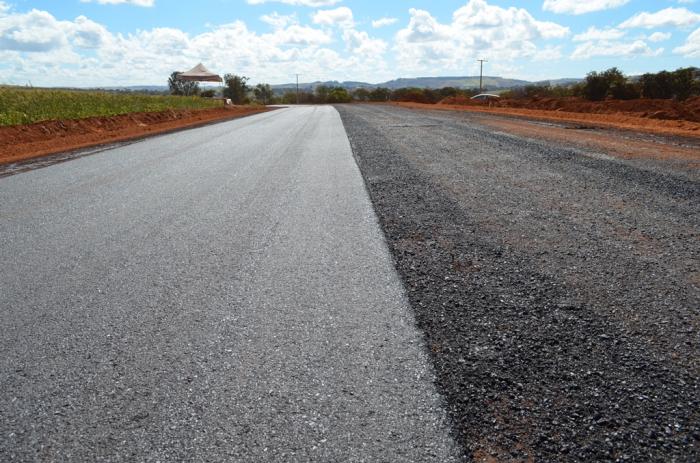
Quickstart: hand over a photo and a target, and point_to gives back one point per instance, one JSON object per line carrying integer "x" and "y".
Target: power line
{"x": 481, "y": 75}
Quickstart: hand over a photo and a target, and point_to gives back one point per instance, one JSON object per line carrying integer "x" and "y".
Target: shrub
{"x": 625, "y": 91}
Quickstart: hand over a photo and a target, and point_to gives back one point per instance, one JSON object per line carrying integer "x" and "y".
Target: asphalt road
{"x": 218, "y": 294}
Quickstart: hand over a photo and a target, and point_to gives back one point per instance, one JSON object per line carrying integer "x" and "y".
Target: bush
{"x": 236, "y": 88}
{"x": 659, "y": 85}
{"x": 680, "y": 84}
{"x": 380, "y": 94}
{"x": 410, "y": 94}
{"x": 360, "y": 94}
{"x": 625, "y": 91}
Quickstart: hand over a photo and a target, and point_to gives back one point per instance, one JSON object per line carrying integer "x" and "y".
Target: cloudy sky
{"x": 132, "y": 42}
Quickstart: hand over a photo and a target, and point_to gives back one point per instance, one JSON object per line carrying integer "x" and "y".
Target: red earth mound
{"x": 20, "y": 142}
{"x": 688, "y": 110}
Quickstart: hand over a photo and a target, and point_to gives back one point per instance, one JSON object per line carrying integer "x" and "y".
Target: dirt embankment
{"x": 22, "y": 142}
{"x": 665, "y": 117}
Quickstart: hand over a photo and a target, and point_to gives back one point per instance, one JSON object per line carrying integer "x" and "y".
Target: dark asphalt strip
{"x": 536, "y": 356}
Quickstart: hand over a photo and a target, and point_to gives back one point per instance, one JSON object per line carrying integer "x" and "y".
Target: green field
{"x": 26, "y": 105}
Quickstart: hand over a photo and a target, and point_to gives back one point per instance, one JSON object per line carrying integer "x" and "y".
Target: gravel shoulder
{"x": 558, "y": 287}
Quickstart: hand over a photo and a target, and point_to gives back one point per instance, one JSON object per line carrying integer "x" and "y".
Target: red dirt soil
{"x": 621, "y": 147}
{"x": 665, "y": 117}
{"x": 22, "y": 142}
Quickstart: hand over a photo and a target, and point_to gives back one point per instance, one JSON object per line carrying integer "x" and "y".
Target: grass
{"x": 27, "y": 105}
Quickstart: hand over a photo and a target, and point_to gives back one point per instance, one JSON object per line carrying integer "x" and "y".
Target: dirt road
{"x": 557, "y": 283}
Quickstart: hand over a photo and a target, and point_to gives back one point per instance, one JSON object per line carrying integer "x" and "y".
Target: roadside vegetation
{"x": 20, "y": 105}
{"x": 680, "y": 85}
{"x": 612, "y": 84}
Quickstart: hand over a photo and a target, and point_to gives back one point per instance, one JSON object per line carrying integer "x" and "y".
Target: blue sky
{"x": 130, "y": 42}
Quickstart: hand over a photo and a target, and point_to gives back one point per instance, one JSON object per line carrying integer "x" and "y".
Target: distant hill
{"x": 490, "y": 82}
{"x": 137, "y": 88}
{"x": 459, "y": 82}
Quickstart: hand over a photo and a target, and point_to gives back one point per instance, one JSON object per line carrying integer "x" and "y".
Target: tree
{"x": 322, "y": 93}
{"x": 597, "y": 85}
{"x": 360, "y": 94}
{"x": 182, "y": 87}
{"x": 683, "y": 83}
{"x": 236, "y": 88}
{"x": 338, "y": 95}
{"x": 625, "y": 91}
{"x": 659, "y": 85}
{"x": 263, "y": 93}
{"x": 380, "y": 94}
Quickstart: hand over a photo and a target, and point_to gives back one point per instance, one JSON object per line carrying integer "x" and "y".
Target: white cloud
{"x": 145, "y": 3}
{"x": 614, "y": 49}
{"x": 691, "y": 48}
{"x": 341, "y": 16}
{"x": 35, "y": 31}
{"x": 593, "y": 33}
{"x": 502, "y": 34}
{"x": 382, "y": 22}
{"x": 36, "y": 46}
{"x": 580, "y": 7}
{"x": 659, "y": 36}
{"x": 669, "y": 17}
{"x": 299, "y": 35}
{"x": 359, "y": 42}
{"x": 279, "y": 21}
{"x": 89, "y": 34}
{"x": 548, "y": 54}
{"x": 312, "y": 3}
{"x": 479, "y": 14}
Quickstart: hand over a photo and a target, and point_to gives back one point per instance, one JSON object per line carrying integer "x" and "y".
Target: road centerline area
{"x": 218, "y": 294}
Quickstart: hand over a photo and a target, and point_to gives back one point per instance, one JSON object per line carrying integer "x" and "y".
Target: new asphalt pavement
{"x": 217, "y": 294}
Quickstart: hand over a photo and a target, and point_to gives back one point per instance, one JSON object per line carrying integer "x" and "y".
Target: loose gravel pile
{"x": 558, "y": 290}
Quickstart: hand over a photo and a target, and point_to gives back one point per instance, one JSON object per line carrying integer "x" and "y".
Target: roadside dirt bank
{"x": 617, "y": 143}
{"x": 618, "y": 120}
{"x": 687, "y": 110}
{"x": 22, "y": 142}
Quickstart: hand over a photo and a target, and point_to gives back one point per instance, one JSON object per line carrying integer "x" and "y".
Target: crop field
{"x": 25, "y": 106}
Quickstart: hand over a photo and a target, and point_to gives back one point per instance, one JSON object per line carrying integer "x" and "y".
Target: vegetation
{"x": 331, "y": 95}
{"x": 680, "y": 84}
{"x": 19, "y": 105}
{"x": 263, "y": 93}
{"x": 236, "y": 88}
{"x": 544, "y": 90}
{"x": 321, "y": 95}
{"x": 182, "y": 87}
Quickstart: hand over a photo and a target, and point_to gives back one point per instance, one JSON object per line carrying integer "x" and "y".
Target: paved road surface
{"x": 219, "y": 294}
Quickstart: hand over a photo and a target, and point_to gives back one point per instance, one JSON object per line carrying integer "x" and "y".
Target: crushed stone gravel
{"x": 558, "y": 289}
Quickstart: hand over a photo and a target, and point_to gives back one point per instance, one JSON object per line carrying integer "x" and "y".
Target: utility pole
{"x": 298, "y": 87}
{"x": 481, "y": 75}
